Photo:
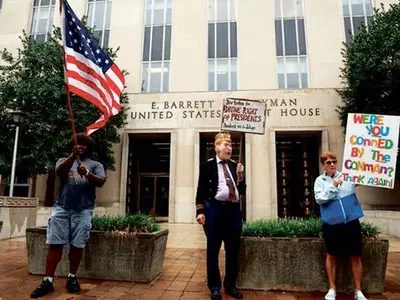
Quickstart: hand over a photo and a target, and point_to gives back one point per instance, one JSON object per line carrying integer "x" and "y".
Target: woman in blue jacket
{"x": 340, "y": 213}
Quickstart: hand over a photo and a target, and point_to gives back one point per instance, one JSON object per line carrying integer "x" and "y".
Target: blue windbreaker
{"x": 337, "y": 204}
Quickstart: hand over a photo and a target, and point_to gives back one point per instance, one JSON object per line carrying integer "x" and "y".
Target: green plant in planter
{"x": 369, "y": 229}
{"x": 295, "y": 227}
{"x": 140, "y": 223}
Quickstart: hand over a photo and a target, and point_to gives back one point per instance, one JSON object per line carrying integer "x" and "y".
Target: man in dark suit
{"x": 218, "y": 210}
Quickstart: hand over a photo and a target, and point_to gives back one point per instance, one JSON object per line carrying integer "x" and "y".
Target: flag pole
{"x": 241, "y": 147}
{"x": 240, "y": 151}
{"x": 71, "y": 114}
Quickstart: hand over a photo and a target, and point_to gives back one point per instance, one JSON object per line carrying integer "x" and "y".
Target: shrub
{"x": 288, "y": 227}
{"x": 369, "y": 229}
{"x": 295, "y": 227}
{"x": 128, "y": 223}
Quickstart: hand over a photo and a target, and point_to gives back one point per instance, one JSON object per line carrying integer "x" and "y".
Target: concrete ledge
{"x": 390, "y": 207}
{"x": 298, "y": 264}
{"x": 387, "y": 221}
{"x": 17, "y": 214}
{"x": 18, "y": 202}
{"x": 108, "y": 255}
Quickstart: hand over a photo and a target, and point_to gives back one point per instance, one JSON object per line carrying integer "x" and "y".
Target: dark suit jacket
{"x": 208, "y": 183}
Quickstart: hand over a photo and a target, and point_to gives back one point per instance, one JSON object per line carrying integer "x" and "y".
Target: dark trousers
{"x": 223, "y": 223}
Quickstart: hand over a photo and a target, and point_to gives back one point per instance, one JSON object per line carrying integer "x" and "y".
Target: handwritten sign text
{"x": 371, "y": 149}
{"x": 243, "y": 115}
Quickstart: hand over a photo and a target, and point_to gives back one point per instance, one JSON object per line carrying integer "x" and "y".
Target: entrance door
{"x": 146, "y": 195}
{"x": 297, "y": 169}
{"x": 162, "y": 193}
{"x": 153, "y": 195}
{"x": 147, "y": 188}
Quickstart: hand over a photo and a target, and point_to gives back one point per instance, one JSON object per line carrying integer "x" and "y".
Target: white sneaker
{"x": 331, "y": 295}
{"x": 358, "y": 295}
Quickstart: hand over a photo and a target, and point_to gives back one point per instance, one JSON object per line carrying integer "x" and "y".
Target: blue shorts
{"x": 67, "y": 226}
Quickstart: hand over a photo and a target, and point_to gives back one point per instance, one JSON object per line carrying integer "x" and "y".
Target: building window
{"x": 356, "y": 13}
{"x": 156, "y": 46}
{"x": 42, "y": 19}
{"x": 222, "y": 45}
{"x": 291, "y": 49}
{"x": 99, "y": 18}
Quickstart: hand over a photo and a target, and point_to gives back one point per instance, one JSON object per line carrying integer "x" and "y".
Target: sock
{"x": 51, "y": 279}
{"x": 71, "y": 275}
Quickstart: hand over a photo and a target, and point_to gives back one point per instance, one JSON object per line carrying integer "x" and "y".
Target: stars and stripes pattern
{"x": 90, "y": 72}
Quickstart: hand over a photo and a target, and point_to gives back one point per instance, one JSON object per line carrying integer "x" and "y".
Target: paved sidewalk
{"x": 183, "y": 277}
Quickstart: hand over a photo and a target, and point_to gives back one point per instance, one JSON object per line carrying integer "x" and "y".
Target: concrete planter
{"x": 298, "y": 264}
{"x": 108, "y": 255}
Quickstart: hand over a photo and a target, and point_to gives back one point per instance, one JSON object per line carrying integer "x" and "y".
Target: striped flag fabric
{"x": 90, "y": 73}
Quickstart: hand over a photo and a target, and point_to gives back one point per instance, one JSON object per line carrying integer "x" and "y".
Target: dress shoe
{"x": 233, "y": 292}
{"x": 216, "y": 295}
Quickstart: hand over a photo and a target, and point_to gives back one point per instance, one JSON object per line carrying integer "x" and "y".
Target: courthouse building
{"x": 184, "y": 57}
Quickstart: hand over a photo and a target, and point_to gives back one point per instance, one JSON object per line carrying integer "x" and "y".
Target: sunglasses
{"x": 329, "y": 162}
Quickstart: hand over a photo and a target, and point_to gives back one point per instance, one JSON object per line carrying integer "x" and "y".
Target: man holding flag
{"x": 91, "y": 74}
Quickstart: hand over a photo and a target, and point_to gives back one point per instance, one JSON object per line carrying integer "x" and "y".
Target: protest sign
{"x": 370, "y": 152}
{"x": 243, "y": 115}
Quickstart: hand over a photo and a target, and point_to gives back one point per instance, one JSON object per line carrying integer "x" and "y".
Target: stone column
{"x": 183, "y": 171}
{"x": 256, "y": 62}
{"x": 262, "y": 176}
{"x": 188, "y": 70}
{"x": 323, "y": 46}
{"x": 108, "y": 196}
{"x": 127, "y": 30}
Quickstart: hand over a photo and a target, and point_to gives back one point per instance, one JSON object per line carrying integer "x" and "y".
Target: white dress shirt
{"x": 223, "y": 189}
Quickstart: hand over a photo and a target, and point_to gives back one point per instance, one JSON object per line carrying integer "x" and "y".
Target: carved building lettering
{"x": 182, "y": 109}
{"x": 207, "y": 109}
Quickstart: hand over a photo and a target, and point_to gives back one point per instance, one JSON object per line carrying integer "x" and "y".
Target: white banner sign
{"x": 243, "y": 115}
{"x": 370, "y": 151}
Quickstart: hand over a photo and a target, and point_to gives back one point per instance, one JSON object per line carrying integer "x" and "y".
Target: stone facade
{"x": 189, "y": 110}
{"x": 17, "y": 214}
{"x": 387, "y": 221}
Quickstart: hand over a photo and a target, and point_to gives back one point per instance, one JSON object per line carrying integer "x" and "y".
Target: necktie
{"x": 229, "y": 183}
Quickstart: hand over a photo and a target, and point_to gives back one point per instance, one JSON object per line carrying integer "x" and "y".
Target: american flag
{"x": 90, "y": 72}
